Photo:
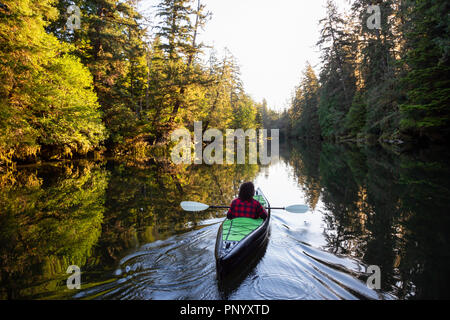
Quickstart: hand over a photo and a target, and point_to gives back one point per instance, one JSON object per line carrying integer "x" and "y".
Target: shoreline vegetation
{"x": 118, "y": 87}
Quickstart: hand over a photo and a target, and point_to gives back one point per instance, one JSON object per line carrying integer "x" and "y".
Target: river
{"x": 121, "y": 223}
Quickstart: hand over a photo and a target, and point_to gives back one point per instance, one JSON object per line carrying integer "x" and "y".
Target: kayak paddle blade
{"x": 297, "y": 208}
{"x": 193, "y": 206}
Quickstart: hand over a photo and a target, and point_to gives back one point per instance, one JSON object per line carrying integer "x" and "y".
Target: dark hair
{"x": 246, "y": 191}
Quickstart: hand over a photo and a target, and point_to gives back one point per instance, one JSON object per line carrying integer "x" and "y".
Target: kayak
{"x": 240, "y": 238}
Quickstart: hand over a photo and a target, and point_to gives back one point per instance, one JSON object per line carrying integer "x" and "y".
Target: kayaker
{"x": 245, "y": 206}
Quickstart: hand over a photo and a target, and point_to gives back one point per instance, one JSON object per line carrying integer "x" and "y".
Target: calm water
{"x": 121, "y": 223}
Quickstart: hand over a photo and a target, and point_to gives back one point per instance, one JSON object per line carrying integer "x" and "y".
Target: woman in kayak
{"x": 245, "y": 206}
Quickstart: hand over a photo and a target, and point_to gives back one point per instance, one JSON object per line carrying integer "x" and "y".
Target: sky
{"x": 271, "y": 40}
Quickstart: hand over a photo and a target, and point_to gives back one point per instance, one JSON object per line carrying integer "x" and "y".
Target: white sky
{"x": 271, "y": 40}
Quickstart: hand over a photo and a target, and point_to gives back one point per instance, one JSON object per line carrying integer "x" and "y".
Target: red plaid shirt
{"x": 248, "y": 209}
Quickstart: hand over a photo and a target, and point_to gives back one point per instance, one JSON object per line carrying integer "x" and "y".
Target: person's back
{"x": 245, "y": 206}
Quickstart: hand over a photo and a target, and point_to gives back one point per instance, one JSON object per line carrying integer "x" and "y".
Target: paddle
{"x": 197, "y": 206}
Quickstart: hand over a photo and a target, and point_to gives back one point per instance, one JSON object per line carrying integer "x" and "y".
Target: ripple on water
{"x": 183, "y": 267}
{"x": 281, "y": 287}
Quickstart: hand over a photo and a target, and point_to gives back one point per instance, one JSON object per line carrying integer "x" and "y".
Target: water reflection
{"x": 121, "y": 223}
{"x": 91, "y": 214}
{"x": 49, "y": 219}
{"x": 386, "y": 209}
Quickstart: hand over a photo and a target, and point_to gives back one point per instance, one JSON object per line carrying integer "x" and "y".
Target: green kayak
{"x": 239, "y": 238}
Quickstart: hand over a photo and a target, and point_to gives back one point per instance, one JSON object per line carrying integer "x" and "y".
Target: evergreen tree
{"x": 226, "y": 83}
{"x": 305, "y": 119}
{"x": 244, "y": 113}
{"x": 426, "y": 111}
{"x": 378, "y": 71}
{"x": 355, "y": 119}
{"x": 338, "y": 82}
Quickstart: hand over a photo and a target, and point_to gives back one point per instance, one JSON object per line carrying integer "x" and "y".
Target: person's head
{"x": 246, "y": 191}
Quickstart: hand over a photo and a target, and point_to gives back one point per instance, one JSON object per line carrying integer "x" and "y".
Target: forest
{"x": 116, "y": 85}
{"x": 388, "y": 84}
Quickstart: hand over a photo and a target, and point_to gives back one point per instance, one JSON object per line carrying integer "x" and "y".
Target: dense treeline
{"x": 386, "y": 84}
{"x": 116, "y": 84}
{"x": 113, "y": 83}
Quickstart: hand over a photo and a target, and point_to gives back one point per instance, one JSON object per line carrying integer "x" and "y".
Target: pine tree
{"x": 225, "y": 85}
{"x": 305, "y": 119}
{"x": 337, "y": 78}
{"x": 378, "y": 71}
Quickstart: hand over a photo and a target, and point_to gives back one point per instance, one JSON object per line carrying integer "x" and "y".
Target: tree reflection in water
{"x": 380, "y": 207}
{"x": 388, "y": 209}
{"x": 90, "y": 213}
